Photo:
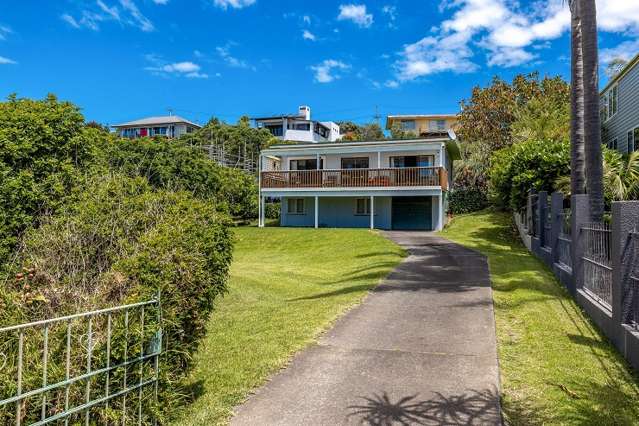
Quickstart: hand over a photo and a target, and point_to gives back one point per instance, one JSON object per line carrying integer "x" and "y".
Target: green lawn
{"x": 287, "y": 285}
{"x": 556, "y": 368}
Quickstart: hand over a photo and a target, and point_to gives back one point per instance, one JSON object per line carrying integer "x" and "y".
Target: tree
{"x": 592, "y": 125}
{"x": 397, "y": 132}
{"x": 372, "y": 132}
{"x": 577, "y": 148}
{"x": 615, "y": 66}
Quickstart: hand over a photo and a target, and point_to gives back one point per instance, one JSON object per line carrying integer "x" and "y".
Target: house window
{"x": 437, "y": 125}
{"x": 362, "y": 206}
{"x": 355, "y": 163}
{"x": 613, "y": 101}
{"x": 296, "y": 206}
{"x": 159, "y": 131}
{"x": 299, "y": 126}
{"x": 306, "y": 164}
{"x": 613, "y": 144}
{"x": 412, "y": 161}
{"x": 407, "y": 124}
{"x": 631, "y": 142}
{"x": 275, "y": 130}
{"x": 603, "y": 108}
{"x": 635, "y": 138}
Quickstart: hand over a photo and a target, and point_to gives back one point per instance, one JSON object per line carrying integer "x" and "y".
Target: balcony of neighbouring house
{"x": 406, "y": 177}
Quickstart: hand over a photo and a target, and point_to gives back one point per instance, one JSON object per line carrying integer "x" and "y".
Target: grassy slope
{"x": 556, "y": 367}
{"x": 287, "y": 285}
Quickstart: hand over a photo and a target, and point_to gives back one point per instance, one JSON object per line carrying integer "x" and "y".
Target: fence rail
{"x": 356, "y": 178}
{"x": 58, "y": 369}
{"x": 597, "y": 261}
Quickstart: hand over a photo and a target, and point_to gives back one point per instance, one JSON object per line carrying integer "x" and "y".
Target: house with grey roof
{"x": 171, "y": 126}
{"x": 619, "y": 109}
{"x": 299, "y": 127}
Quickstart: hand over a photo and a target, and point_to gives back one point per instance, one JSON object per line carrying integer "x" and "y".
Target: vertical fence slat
{"x": 19, "y": 389}
{"x": 45, "y": 361}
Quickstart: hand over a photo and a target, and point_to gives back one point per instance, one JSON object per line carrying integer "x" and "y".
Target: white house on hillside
{"x": 299, "y": 127}
{"x": 171, "y": 126}
{"x": 388, "y": 184}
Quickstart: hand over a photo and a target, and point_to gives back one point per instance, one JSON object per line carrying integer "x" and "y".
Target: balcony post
{"x": 259, "y": 193}
{"x": 372, "y": 212}
{"x": 261, "y": 219}
{"x": 316, "y": 212}
{"x": 379, "y": 160}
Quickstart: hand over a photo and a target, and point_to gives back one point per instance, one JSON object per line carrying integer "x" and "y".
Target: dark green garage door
{"x": 412, "y": 213}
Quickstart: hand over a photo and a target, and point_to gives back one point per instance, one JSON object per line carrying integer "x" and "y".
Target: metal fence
{"x": 98, "y": 367}
{"x": 534, "y": 215}
{"x": 548, "y": 227}
{"x": 597, "y": 268}
{"x": 631, "y": 287}
{"x": 564, "y": 239}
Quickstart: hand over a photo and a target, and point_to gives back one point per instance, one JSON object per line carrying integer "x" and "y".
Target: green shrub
{"x": 42, "y": 146}
{"x": 272, "y": 210}
{"x": 178, "y": 165}
{"x": 532, "y": 164}
{"x": 467, "y": 200}
{"x": 121, "y": 242}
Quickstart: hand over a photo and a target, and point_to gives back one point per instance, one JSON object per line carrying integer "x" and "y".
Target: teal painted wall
{"x": 338, "y": 212}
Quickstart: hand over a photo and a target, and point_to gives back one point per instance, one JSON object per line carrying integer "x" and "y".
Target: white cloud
{"x": 160, "y": 2}
{"x": 224, "y": 52}
{"x": 162, "y": 68}
{"x": 137, "y": 18}
{"x": 356, "y": 13}
{"x": 328, "y": 70}
{"x": 391, "y": 13}
{"x": 306, "y": 19}
{"x": 503, "y": 30}
{"x": 6, "y": 61}
{"x": 235, "y": 4}
{"x": 307, "y": 35}
{"x": 5, "y": 31}
{"x": 393, "y": 84}
{"x": 626, "y": 51}
{"x": 93, "y": 17}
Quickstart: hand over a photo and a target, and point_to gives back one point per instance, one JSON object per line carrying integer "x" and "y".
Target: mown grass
{"x": 287, "y": 285}
{"x": 556, "y": 367}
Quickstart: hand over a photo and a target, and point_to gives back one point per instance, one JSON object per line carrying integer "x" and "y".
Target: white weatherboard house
{"x": 171, "y": 126}
{"x": 299, "y": 127}
{"x": 388, "y": 184}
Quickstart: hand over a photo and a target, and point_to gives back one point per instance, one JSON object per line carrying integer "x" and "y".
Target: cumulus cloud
{"x": 234, "y": 4}
{"x": 307, "y": 35}
{"x": 626, "y": 51}
{"x": 163, "y": 68}
{"x": 328, "y": 70}
{"x": 391, "y": 13}
{"x": 6, "y": 61}
{"x": 5, "y": 31}
{"x": 504, "y": 31}
{"x": 355, "y": 13}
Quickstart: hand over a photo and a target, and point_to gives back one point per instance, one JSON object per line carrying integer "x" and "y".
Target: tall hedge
{"x": 532, "y": 164}
{"x": 120, "y": 242}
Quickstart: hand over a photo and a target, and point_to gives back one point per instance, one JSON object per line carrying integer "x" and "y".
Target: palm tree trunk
{"x": 577, "y": 154}
{"x": 592, "y": 125}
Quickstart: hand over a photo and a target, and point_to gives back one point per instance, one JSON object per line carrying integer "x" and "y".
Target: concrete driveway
{"x": 420, "y": 349}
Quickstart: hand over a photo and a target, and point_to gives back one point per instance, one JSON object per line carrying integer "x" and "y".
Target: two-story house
{"x": 619, "y": 109}
{"x": 299, "y": 127}
{"x": 389, "y": 184}
{"x": 423, "y": 124}
{"x": 171, "y": 126}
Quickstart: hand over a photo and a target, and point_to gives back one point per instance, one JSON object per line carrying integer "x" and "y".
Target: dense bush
{"x": 120, "y": 242}
{"x": 179, "y": 165}
{"x": 273, "y": 210}
{"x": 43, "y": 145}
{"x": 532, "y": 164}
{"x": 467, "y": 200}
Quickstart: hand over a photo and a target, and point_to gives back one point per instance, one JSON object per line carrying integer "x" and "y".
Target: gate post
{"x": 556, "y": 209}
{"x": 542, "y": 213}
{"x": 579, "y": 205}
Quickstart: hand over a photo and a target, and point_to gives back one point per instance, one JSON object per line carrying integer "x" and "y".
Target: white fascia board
{"x": 353, "y": 149}
{"x": 353, "y": 192}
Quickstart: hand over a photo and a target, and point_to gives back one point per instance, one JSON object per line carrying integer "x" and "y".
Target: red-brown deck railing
{"x": 356, "y": 178}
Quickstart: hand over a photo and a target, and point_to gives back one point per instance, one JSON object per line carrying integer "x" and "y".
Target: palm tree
{"x": 577, "y": 154}
{"x": 592, "y": 125}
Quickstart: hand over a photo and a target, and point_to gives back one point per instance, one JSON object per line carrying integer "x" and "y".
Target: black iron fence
{"x": 597, "y": 262}
{"x": 597, "y": 267}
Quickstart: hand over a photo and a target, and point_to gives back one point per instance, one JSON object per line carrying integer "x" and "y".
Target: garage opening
{"x": 412, "y": 213}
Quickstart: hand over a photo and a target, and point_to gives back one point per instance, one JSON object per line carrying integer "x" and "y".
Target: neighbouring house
{"x": 171, "y": 126}
{"x": 423, "y": 124}
{"x": 619, "y": 109}
{"x": 299, "y": 127}
{"x": 389, "y": 184}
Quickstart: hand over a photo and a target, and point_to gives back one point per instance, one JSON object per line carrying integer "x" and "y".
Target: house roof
{"x": 449, "y": 139}
{"x": 155, "y": 121}
{"x": 630, "y": 65}
{"x": 280, "y": 116}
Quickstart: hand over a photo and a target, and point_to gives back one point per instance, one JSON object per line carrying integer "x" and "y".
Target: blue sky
{"x": 125, "y": 59}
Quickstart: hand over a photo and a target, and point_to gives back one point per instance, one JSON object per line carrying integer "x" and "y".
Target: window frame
{"x": 630, "y": 140}
{"x": 355, "y": 159}
{"x": 296, "y": 211}
{"x": 408, "y": 125}
{"x": 612, "y": 101}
